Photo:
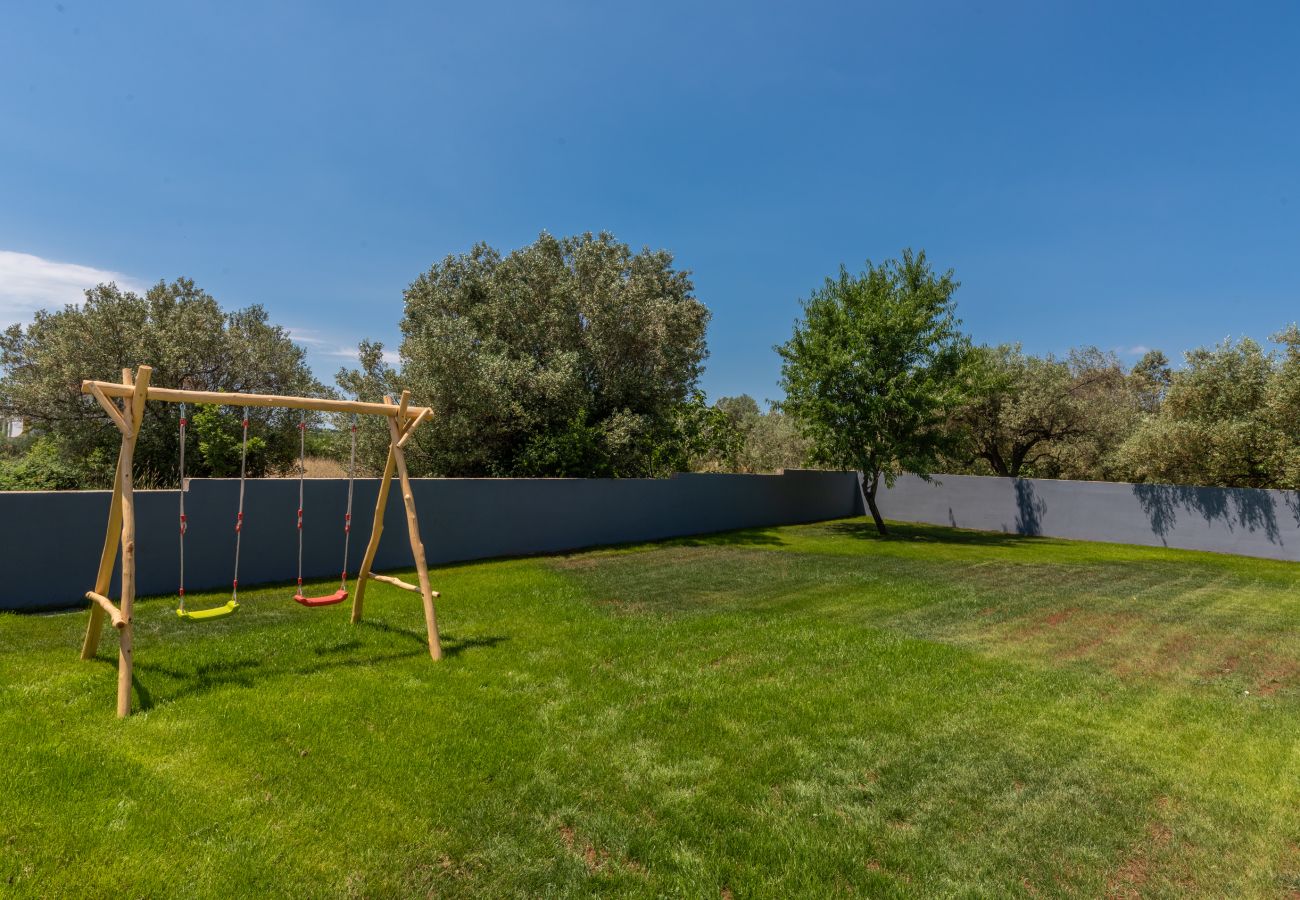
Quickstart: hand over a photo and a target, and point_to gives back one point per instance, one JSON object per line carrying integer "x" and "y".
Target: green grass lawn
{"x": 805, "y": 711}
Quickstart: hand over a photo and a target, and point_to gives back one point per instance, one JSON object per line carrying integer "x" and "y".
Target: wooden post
{"x": 95, "y": 628}
{"x": 413, "y": 528}
{"x": 376, "y": 529}
{"x": 135, "y": 411}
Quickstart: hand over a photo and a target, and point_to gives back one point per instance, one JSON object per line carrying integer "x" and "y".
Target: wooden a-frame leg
{"x": 125, "y": 658}
{"x": 376, "y": 529}
{"x": 106, "y": 559}
{"x": 413, "y": 529}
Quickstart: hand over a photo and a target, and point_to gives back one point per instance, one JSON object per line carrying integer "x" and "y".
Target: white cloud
{"x": 29, "y": 283}
{"x": 1135, "y": 350}
{"x": 318, "y": 344}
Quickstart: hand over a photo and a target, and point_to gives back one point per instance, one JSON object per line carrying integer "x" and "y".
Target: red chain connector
{"x": 182, "y": 523}
{"x": 239, "y": 522}
{"x": 300, "y": 518}
{"x": 245, "y": 423}
{"x": 181, "y": 591}
{"x": 183, "y": 423}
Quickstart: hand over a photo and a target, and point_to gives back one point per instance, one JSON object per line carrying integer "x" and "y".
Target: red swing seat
{"x": 328, "y": 600}
{"x": 342, "y": 593}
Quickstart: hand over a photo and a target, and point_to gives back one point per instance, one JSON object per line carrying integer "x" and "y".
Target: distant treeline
{"x": 579, "y": 357}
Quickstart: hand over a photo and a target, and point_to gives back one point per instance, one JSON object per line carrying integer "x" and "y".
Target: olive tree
{"x": 1228, "y": 418}
{"x": 570, "y": 357}
{"x": 190, "y": 342}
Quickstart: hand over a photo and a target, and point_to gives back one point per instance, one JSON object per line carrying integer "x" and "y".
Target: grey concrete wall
{"x": 50, "y": 541}
{"x": 1241, "y": 521}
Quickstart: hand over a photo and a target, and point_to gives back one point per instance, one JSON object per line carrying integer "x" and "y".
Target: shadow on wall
{"x": 1246, "y": 508}
{"x": 1029, "y": 509}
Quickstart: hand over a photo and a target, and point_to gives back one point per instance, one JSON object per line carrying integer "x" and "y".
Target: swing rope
{"x": 347, "y": 516}
{"x": 302, "y": 476}
{"x": 232, "y": 604}
{"x": 181, "y": 590}
{"x": 239, "y": 516}
{"x": 342, "y": 593}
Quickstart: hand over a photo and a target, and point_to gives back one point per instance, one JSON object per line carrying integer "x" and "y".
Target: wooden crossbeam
{"x": 320, "y": 404}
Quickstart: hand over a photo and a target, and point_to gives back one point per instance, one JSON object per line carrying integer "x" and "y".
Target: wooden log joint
{"x": 397, "y": 582}
{"x": 114, "y": 614}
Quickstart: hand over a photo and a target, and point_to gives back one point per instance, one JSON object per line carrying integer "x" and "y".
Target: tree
{"x": 189, "y": 340}
{"x": 1217, "y": 424}
{"x": 1108, "y": 410}
{"x": 1043, "y": 416}
{"x": 765, "y": 441}
{"x": 374, "y": 380}
{"x": 871, "y": 372}
{"x": 1283, "y": 409}
{"x": 1150, "y": 379}
{"x": 570, "y": 357}
{"x": 1015, "y": 408}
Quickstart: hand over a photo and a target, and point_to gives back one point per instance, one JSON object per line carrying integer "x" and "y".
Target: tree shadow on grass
{"x": 1244, "y": 508}
{"x": 249, "y": 672}
{"x": 936, "y": 534}
{"x": 750, "y": 537}
{"x": 452, "y": 646}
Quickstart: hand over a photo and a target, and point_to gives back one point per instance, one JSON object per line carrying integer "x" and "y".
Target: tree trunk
{"x": 869, "y": 492}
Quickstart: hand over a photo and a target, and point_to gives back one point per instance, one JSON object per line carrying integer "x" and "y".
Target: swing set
{"x": 133, "y": 392}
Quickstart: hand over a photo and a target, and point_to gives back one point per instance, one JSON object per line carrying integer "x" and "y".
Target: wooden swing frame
{"x": 133, "y": 392}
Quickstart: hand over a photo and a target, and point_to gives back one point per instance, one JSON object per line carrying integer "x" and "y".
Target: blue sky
{"x": 1125, "y": 175}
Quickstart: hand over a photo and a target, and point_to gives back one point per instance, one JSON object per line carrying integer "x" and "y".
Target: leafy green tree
{"x": 1283, "y": 409}
{"x": 1150, "y": 379}
{"x": 1026, "y": 416}
{"x": 1016, "y": 408}
{"x": 766, "y": 441}
{"x": 1218, "y": 423}
{"x": 39, "y": 468}
{"x": 190, "y": 342}
{"x": 218, "y": 435}
{"x": 871, "y": 373}
{"x": 372, "y": 381}
{"x": 1109, "y": 412}
{"x": 571, "y": 356}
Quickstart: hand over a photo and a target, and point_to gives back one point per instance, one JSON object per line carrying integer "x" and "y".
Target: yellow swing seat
{"x": 216, "y": 612}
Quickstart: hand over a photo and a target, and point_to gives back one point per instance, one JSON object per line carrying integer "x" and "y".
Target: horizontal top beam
{"x": 173, "y": 395}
